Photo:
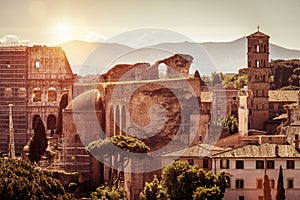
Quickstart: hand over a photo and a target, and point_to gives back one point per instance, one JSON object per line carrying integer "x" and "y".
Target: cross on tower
{"x": 258, "y": 28}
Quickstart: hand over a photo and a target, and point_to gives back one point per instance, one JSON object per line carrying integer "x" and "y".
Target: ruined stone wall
{"x": 49, "y": 76}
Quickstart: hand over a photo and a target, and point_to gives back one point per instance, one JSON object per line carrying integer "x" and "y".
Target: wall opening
{"x": 37, "y": 94}
{"x": 51, "y": 124}
{"x": 123, "y": 120}
{"x": 51, "y": 94}
{"x": 117, "y": 121}
{"x": 162, "y": 71}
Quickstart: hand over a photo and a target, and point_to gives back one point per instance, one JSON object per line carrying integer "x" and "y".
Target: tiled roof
{"x": 258, "y": 34}
{"x": 260, "y": 151}
{"x": 283, "y": 95}
{"x": 198, "y": 150}
{"x": 274, "y": 96}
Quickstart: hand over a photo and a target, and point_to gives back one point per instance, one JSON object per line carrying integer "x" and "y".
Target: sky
{"x": 52, "y": 22}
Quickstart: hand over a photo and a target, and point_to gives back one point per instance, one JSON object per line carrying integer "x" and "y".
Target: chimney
{"x": 296, "y": 141}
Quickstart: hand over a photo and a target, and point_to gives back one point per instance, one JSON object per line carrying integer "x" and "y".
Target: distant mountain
{"x": 95, "y": 58}
{"x": 92, "y": 57}
{"x": 231, "y": 56}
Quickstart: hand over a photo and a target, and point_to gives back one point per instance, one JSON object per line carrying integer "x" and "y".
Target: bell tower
{"x": 258, "y": 79}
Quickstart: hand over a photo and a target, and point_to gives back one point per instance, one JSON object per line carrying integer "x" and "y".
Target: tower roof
{"x": 258, "y": 34}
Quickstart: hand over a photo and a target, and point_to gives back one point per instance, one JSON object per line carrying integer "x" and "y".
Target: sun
{"x": 62, "y": 29}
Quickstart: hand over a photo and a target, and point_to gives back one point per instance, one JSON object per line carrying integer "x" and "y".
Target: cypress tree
{"x": 62, "y": 105}
{"x": 267, "y": 188}
{"x": 280, "y": 195}
{"x": 38, "y": 143}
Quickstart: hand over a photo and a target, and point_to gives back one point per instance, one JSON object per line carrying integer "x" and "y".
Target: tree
{"x": 184, "y": 181}
{"x": 151, "y": 191}
{"x": 267, "y": 188}
{"x": 106, "y": 193}
{"x": 39, "y": 142}
{"x": 280, "y": 195}
{"x": 109, "y": 148}
{"x": 238, "y": 81}
{"x": 230, "y": 123}
{"x": 21, "y": 180}
{"x": 62, "y": 105}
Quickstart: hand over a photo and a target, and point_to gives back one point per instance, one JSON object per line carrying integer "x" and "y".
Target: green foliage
{"x": 150, "y": 190}
{"x": 285, "y": 73}
{"x": 184, "y": 182}
{"x": 119, "y": 147}
{"x": 207, "y": 193}
{"x": 106, "y": 193}
{"x": 238, "y": 81}
{"x": 267, "y": 188}
{"x": 39, "y": 142}
{"x": 126, "y": 143}
{"x": 280, "y": 195}
{"x": 20, "y": 180}
{"x": 230, "y": 123}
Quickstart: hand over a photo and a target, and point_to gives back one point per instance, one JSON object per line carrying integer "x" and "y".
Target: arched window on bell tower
{"x": 257, "y": 63}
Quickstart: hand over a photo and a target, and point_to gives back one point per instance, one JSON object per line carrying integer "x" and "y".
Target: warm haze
{"x": 52, "y": 22}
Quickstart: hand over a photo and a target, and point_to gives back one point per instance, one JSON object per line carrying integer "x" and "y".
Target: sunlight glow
{"x": 62, "y": 29}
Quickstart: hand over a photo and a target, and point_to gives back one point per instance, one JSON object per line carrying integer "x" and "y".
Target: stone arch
{"x": 117, "y": 121}
{"x": 36, "y": 94}
{"x": 51, "y": 123}
{"x": 123, "y": 120}
{"x": 112, "y": 121}
{"x": 34, "y": 119}
{"x": 162, "y": 70}
{"x": 51, "y": 94}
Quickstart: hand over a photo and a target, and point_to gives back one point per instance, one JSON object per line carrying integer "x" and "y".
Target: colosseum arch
{"x": 36, "y": 94}
{"x": 51, "y": 94}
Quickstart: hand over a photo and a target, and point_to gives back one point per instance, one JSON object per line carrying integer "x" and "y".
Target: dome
{"x": 87, "y": 101}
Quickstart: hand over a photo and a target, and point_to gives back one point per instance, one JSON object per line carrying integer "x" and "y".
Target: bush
{"x": 21, "y": 180}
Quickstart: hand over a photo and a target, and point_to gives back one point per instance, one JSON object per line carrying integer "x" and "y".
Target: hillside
{"x": 94, "y": 58}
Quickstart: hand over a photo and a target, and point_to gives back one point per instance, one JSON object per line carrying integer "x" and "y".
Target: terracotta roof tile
{"x": 260, "y": 151}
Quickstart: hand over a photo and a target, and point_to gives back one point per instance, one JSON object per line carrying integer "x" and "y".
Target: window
{"x": 239, "y": 164}
{"x": 51, "y": 93}
{"x": 257, "y": 48}
{"x": 224, "y": 164}
{"x": 37, "y": 64}
{"x": 239, "y": 184}
{"x": 260, "y": 198}
{"x": 270, "y": 164}
{"x": 191, "y": 161}
{"x": 7, "y": 92}
{"x": 228, "y": 181}
{"x": 37, "y": 95}
{"x": 290, "y": 183}
{"x": 22, "y": 92}
{"x": 259, "y": 183}
{"x": 259, "y": 164}
{"x": 290, "y": 164}
{"x": 241, "y": 198}
{"x": 205, "y": 163}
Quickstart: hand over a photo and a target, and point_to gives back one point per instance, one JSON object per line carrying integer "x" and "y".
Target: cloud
{"x": 13, "y": 40}
{"x": 95, "y": 37}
